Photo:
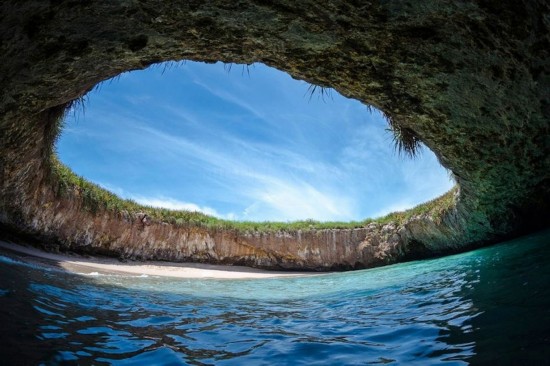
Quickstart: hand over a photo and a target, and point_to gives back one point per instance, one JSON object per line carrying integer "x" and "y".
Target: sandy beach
{"x": 80, "y": 264}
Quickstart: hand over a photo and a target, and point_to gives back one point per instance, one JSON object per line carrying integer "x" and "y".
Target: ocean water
{"x": 489, "y": 306}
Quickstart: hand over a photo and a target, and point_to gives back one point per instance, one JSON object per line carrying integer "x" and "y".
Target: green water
{"x": 489, "y": 306}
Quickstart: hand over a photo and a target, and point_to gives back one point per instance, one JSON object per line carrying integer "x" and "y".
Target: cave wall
{"x": 470, "y": 79}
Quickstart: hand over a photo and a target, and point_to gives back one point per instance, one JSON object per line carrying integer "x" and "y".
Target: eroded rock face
{"x": 468, "y": 78}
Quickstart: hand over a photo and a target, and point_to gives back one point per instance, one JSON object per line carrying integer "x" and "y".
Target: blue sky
{"x": 243, "y": 145}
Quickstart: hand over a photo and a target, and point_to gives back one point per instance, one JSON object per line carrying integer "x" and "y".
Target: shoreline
{"x": 78, "y": 264}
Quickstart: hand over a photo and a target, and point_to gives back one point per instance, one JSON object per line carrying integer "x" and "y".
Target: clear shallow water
{"x": 487, "y": 306}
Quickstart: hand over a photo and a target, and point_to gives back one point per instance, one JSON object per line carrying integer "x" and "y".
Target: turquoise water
{"x": 489, "y": 306}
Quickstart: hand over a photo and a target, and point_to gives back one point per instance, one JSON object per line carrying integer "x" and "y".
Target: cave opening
{"x": 244, "y": 143}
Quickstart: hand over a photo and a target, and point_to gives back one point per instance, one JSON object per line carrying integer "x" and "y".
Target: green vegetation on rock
{"x": 97, "y": 199}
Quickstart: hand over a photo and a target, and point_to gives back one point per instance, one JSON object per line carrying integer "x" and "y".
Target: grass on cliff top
{"x": 98, "y": 200}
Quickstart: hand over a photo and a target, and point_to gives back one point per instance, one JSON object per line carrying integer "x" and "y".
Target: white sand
{"x": 79, "y": 264}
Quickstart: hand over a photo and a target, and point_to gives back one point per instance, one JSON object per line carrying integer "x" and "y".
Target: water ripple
{"x": 454, "y": 310}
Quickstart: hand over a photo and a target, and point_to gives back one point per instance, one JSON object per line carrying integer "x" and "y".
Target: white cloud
{"x": 286, "y": 200}
{"x": 166, "y": 202}
{"x": 274, "y": 194}
{"x": 394, "y": 207}
{"x": 230, "y": 98}
{"x": 173, "y": 204}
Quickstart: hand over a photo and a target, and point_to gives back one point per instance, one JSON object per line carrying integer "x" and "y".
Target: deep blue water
{"x": 489, "y": 306}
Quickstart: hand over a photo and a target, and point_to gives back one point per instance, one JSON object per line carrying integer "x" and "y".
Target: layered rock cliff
{"x": 469, "y": 79}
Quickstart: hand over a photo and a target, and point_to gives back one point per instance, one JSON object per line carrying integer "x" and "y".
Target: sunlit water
{"x": 490, "y": 306}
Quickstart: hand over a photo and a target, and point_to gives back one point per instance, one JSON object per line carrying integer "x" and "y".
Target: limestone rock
{"x": 470, "y": 79}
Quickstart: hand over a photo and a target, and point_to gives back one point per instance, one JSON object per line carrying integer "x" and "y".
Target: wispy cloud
{"x": 230, "y": 98}
{"x": 166, "y": 202}
{"x": 288, "y": 201}
{"x": 275, "y": 195}
{"x": 173, "y": 204}
{"x": 394, "y": 207}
